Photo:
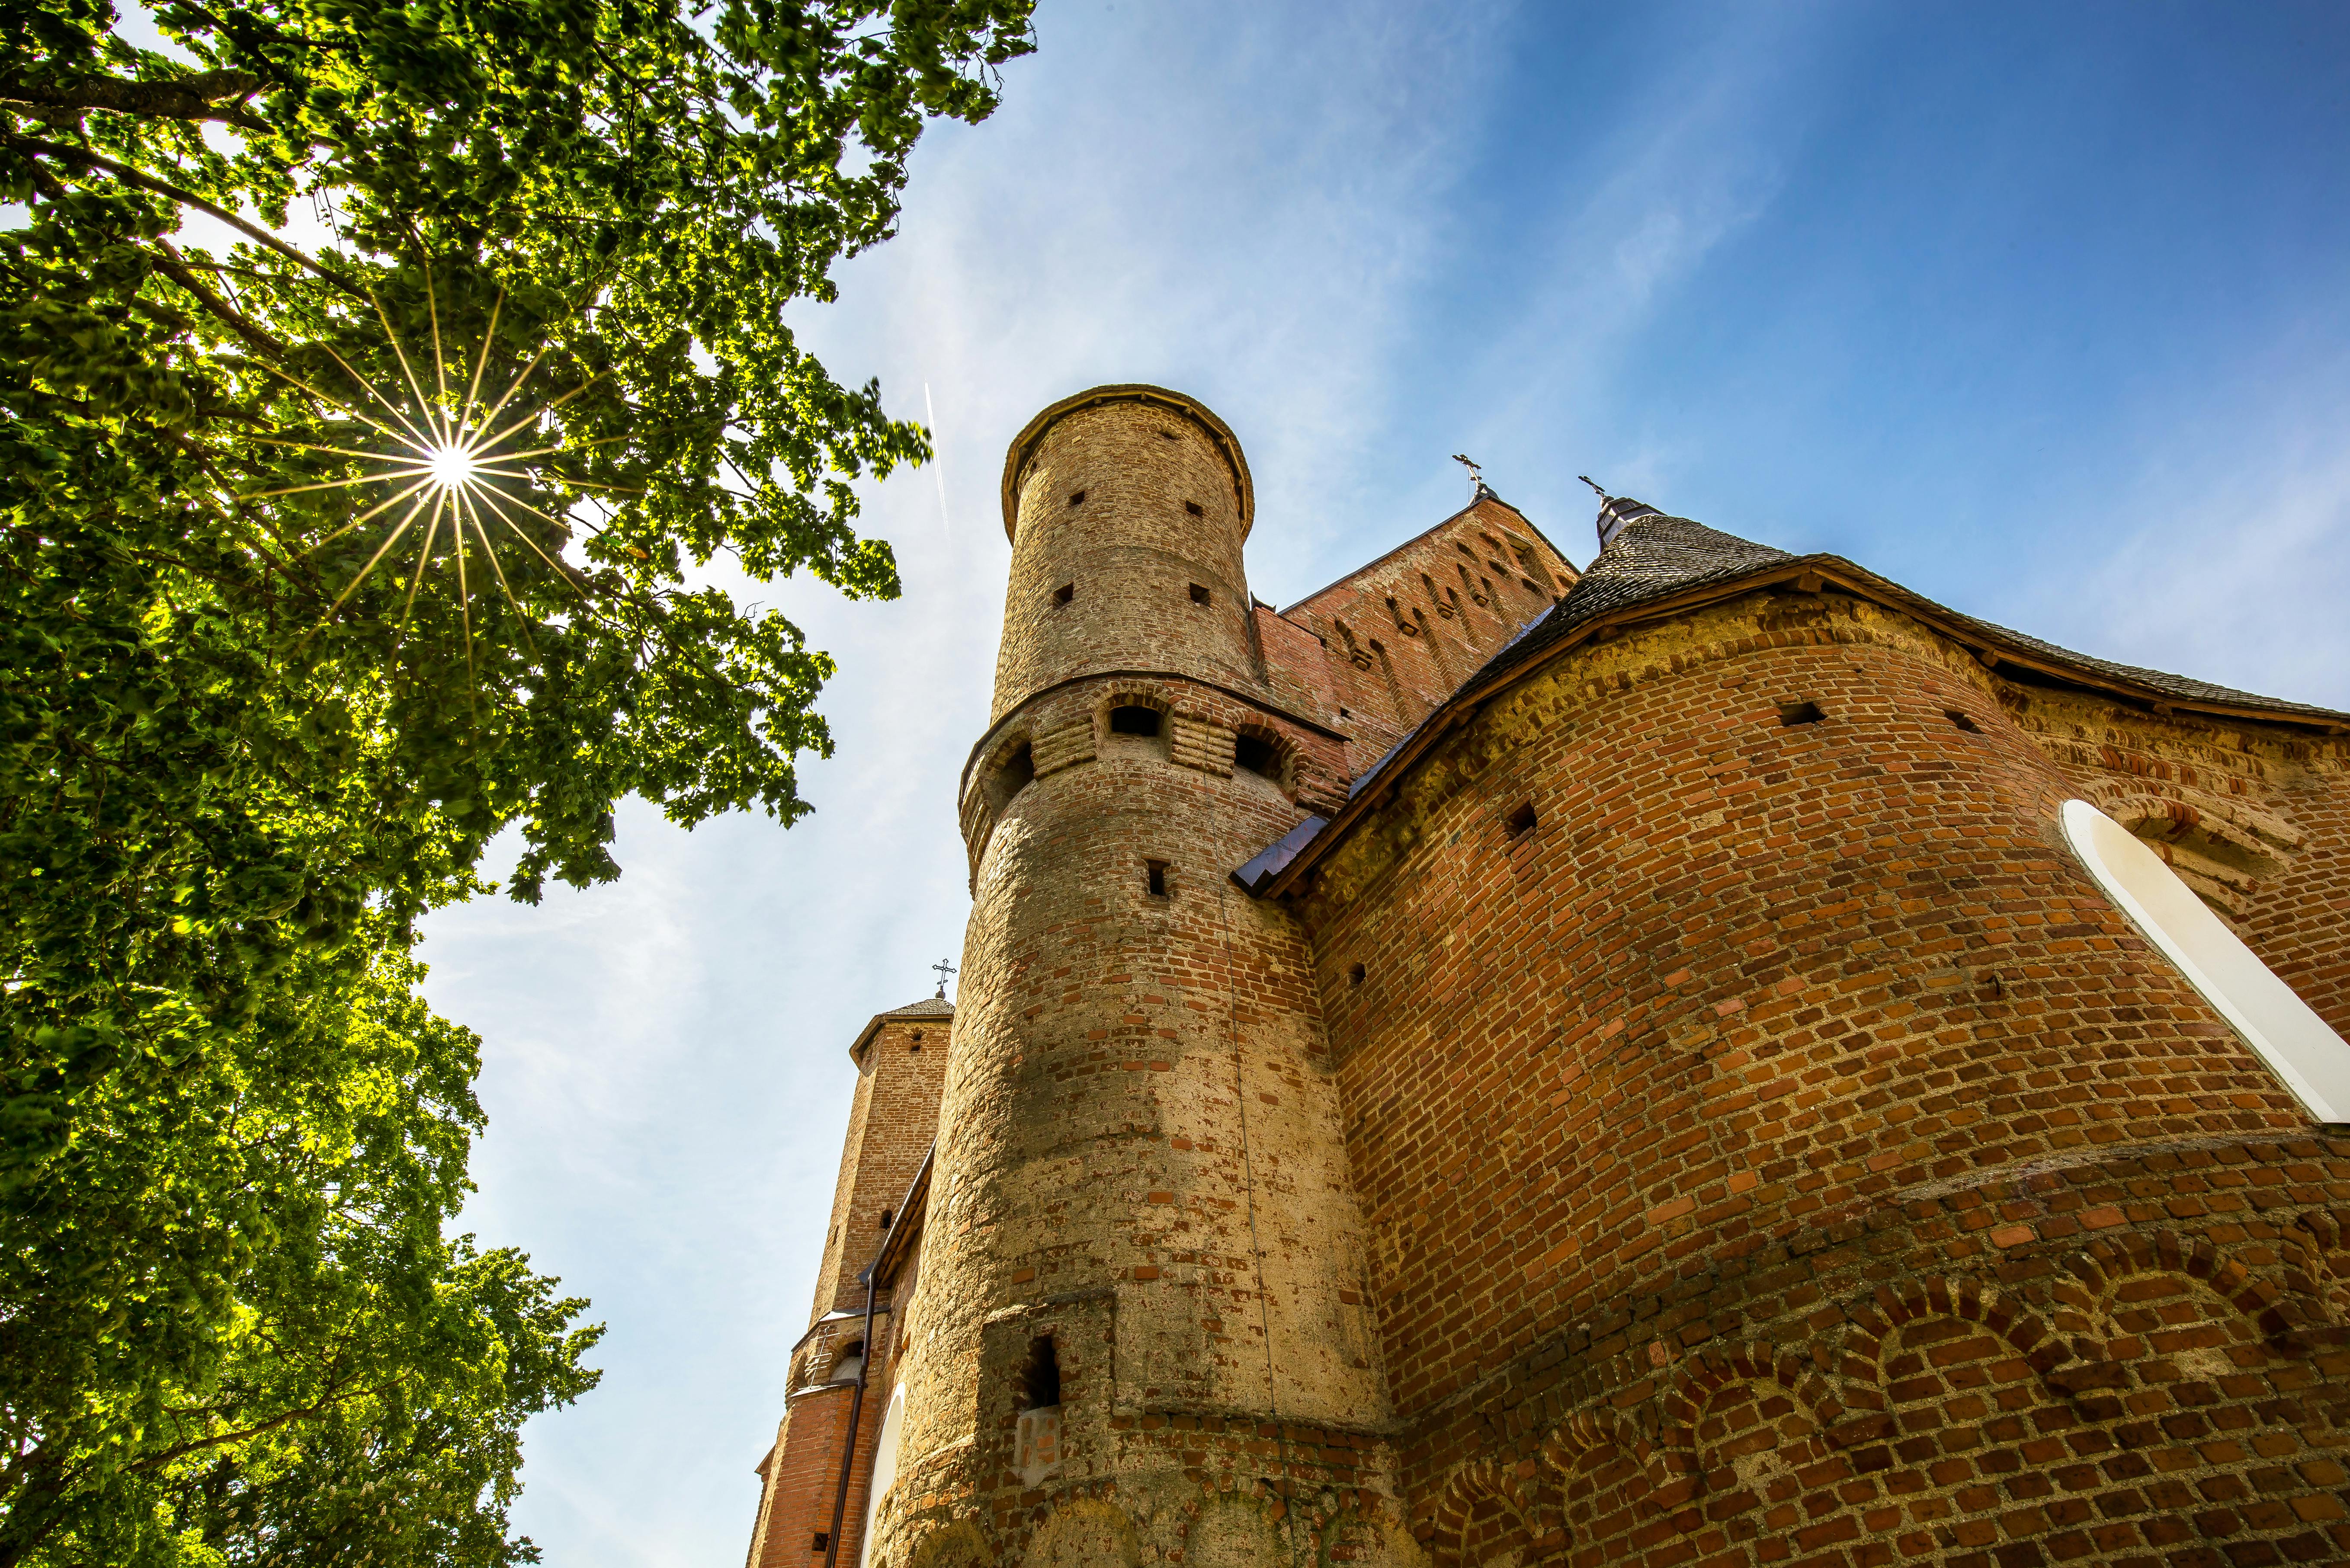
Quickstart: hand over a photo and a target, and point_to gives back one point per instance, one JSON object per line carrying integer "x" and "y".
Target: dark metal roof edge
{"x": 1490, "y": 682}
{"x": 886, "y": 1261}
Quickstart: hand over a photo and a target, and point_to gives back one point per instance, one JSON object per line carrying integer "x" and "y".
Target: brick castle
{"x": 1500, "y": 1065}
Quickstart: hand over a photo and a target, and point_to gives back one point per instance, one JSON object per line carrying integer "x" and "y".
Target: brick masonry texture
{"x": 902, "y": 1059}
{"x": 1693, "y": 1110}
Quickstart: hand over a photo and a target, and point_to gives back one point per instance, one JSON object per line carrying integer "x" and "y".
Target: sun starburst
{"x": 440, "y": 460}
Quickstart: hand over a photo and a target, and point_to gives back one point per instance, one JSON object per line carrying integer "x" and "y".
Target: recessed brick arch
{"x": 2225, "y": 850}
{"x": 1279, "y": 753}
{"x": 1492, "y": 1510}
{"x": 1154, "y": 697}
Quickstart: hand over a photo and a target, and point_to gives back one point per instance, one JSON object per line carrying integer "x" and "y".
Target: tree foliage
{"x": 253, "y": 722}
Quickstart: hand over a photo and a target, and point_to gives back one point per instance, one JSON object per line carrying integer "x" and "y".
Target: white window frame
{"x": 2301, "y": 1048}
{"x": 885, "y": 1469}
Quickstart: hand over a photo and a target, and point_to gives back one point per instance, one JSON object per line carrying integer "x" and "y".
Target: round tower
{"x": 1126, "y": 507}
{"x": 1144, "y": 1304}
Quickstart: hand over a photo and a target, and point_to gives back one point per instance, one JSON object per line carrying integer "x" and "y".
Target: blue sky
{"x": 2043, "y": 311}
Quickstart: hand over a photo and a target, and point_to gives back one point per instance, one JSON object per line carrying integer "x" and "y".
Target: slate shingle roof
{"x": 1649, "y": 556}
{"x": 1655, "y": 555}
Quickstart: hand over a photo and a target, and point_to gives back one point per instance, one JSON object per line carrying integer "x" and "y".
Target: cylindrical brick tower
{"x": 1142, "y": 1229}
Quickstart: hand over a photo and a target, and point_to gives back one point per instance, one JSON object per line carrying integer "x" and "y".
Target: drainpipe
{"x": 848, "y": 1448}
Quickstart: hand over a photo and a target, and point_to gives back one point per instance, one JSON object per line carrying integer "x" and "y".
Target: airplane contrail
{"x": 937, "y": 467}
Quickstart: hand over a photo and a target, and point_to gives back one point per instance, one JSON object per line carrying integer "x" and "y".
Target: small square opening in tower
{"x": 1356, "y": 975}
{"x": 1794, "y": 714}
{"x": 1962, "y": 720}
{"x": 823, "y": 1542}
{"x": 1133, "y": 719}
{"x": 1077, "y": 498}
{"x": 1154, "y": 877}
{"x": 1199, "y": 594}
{"x": 1194, "y": 509}
{"x": 1065, "y": 593}
{"x": 1521, "y": 822}
{"x": 1257, "y": 755}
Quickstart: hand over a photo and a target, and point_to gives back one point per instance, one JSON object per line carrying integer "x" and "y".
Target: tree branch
{"x": 189, "y": 97}
{"x": 336, "y": 1393}
{"x": 174, "y": 265}
{"x": 145, "y": 181}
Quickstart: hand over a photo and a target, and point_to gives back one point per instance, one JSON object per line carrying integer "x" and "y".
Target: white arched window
{"x": 885, "y": 1471}
{"x": 2298, "y": 1045}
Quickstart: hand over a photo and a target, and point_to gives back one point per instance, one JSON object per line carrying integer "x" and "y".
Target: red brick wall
{"x": 2298, "y": 921}
{"x": 2278, "y": 797}
{"x": 1458, "y": 591}
{"x": 1691, "y": 1120}
{"x": 801, "y": 1475}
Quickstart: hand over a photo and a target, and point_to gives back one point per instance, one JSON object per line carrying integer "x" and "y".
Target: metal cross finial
{"x": 944, "y": 968}
{"x": 1476, "y": 475}
{"x": 1594, "y": 484}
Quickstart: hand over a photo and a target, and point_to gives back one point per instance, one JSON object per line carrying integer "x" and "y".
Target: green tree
{"x": 261, "y": 706}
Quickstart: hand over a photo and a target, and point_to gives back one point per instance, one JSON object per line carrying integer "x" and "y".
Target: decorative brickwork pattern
{"x": 1064, "y": 747}
{"x": 1205, "y": 746}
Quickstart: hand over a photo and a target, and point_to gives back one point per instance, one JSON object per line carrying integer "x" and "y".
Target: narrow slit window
{"x": 1962, "y": 720}
{"x": 1522, "y": 820}
{"x": 1040, "y": 1377}
{"x": 1356, "y": 975}
{"x": 1199, "y": 594}
{"x": 823, "y": 1542}
{"x": 1154, "y": 877}
{"x": 1133, "y": 720}
{"x": 1794, "y": 714}
{"x": 1065, "y": 593}
{"x": 886, "y": 1218}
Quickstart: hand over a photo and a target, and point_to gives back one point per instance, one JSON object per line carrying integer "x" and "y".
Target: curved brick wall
{"x": 1130, "y": 552}
{"x": 1732, "y": 1137}
{"x": 1140, "y": 1153}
